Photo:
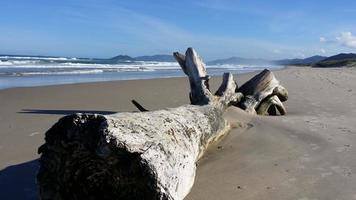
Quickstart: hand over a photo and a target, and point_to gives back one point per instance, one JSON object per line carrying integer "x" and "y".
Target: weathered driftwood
{"x": 143, "y": 155}
{"x": 263, "y": 94}
{"x": 147, "y": 154}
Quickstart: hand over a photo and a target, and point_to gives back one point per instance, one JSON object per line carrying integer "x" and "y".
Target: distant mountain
{"x": 306, "y": 61}
{"x": 342, "y": 56}
{"x": 239, "y": 61}
{"x": 122, "y": 58}
{"x": 248, "y": 61}
{"x": 158, "y": 58}
{"x": 339, "y": 60}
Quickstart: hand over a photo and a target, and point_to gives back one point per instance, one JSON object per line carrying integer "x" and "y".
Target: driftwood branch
{"x": 138, "y": 106}
{"x": 227, "y": 91}
{"x": 147, "y": 155}
{"x": 193, "y": 66}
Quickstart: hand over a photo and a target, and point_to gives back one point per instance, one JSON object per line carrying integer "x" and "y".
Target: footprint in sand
{"x": 343, "y": 171}
{"x": 345, "y": 130}
{"x": 314, "y": 147}
{"x": 345, "y": 148}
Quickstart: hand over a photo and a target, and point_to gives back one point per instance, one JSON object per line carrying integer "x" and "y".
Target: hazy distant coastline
{"x": 25, "y": 70}
{"x": 119, "y": 59}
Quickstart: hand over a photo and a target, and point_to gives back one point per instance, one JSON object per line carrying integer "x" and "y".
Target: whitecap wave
{"x": 96, "y": 71}
{"x": 225, "y": 66}
{"x": 133, "y": 66}
{"x": 18, "y": 62}
{"x": 35, "y": 58}
{"x": 70, "y": 71}
{"x": 5, "y": 63}
{"x": 41, "y": 66}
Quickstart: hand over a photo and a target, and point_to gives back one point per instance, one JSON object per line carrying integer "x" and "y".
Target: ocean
{"x": 29, "y": 71}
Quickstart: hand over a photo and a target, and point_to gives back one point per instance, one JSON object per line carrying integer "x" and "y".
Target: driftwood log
{"x": 263, "y": 94}
{"x": 149, "y": 154}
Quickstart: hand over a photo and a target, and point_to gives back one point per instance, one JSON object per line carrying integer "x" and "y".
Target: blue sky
{"x": 104, "y": 28}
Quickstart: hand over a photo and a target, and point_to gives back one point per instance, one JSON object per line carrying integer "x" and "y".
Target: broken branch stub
{"x": 227, "y": 91}
{"x": 193, "y": 66}
{"x": 142, "y": 155}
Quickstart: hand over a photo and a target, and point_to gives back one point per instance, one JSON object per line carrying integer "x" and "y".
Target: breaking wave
{"x": 24, "y": 71}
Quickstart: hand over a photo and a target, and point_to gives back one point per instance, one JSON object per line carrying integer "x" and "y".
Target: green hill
{"x": 340, "y": 60}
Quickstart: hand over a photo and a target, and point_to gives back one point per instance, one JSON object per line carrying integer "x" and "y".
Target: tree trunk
{"x": 146, "y": 155}
{"x": 149, "y": 154}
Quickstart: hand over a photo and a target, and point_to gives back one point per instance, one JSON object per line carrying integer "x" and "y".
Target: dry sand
{"x": 307, "y": 154}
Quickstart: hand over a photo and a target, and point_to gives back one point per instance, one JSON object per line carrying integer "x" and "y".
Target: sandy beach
{"x": 307, "y": 154}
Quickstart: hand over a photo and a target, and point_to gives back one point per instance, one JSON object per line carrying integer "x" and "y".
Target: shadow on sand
{"x": 19, "y": 181}
{"x": 63, "y": 112}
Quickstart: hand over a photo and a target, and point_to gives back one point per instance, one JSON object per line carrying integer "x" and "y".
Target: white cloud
{"x": 347, "y": 39}
{"x": 322, "y": 50}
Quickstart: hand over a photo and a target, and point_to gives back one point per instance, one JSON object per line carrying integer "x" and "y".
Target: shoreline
{"x": 90, "y": 82}
{"x": 309, "y": 153}
{"x": 56, "y": 101}
{"x": 96, "y": 78}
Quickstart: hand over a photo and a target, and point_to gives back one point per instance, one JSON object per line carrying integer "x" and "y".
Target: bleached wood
{"x": 270, "y": 106}
{"x": 144, "y": 155}
{"x": 148, "y": 154}
{"x": 168, "y": 142}
{"x": 194, "y": 68}
{"x": 227, "y": 91}
{"x": 262, "y": 93}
